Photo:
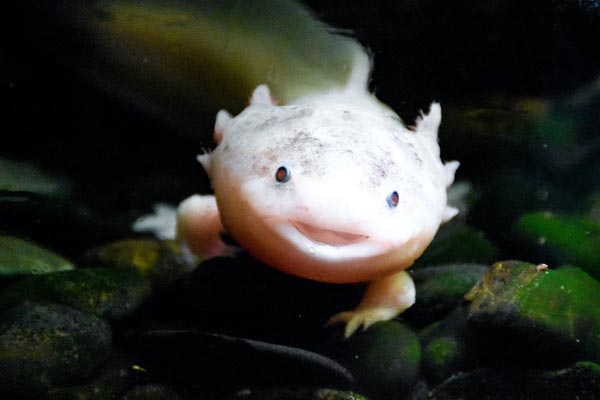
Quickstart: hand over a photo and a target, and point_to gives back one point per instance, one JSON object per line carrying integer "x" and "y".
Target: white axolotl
{"x": 331, "y": 187}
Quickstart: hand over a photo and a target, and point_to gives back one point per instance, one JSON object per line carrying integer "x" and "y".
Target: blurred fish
{"x": 183, "y": 60}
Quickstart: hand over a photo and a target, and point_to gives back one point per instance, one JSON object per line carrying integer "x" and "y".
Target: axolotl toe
{"x": 332, "y": 187}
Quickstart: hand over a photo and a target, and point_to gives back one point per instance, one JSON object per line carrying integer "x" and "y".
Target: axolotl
{"x": 332, "y": 187}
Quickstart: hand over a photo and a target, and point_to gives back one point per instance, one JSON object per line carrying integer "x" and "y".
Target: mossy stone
{"x": 458, "y": 243}
{"x": 569, "y": 239}
{"x": 161, "y": 261}
{"x": 21, "y": 257}
{"x": 106, "y": 292}
{"x": 42, "y": 345}
{"x": 445, "y": 345}
{"x": 545, "y": 314}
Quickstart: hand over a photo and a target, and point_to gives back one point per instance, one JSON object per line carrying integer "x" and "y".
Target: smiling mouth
{"x": 327, "y": 236}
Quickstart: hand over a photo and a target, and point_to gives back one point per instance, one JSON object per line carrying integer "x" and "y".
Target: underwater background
{"x": 96, "y": 132}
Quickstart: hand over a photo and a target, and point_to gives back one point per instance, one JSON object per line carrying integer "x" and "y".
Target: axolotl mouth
{"x": 325, "y": 244}
{"x": 327, "y": 236}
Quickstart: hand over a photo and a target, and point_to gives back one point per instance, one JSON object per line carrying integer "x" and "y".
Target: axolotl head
{"x": 332, "y": 188}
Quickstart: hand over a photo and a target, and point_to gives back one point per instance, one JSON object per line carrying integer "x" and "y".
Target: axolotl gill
{"x": 332, "y": 187}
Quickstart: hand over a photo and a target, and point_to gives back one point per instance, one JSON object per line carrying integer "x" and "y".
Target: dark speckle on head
{"x": 311, "y": 146}
{"x": 292, "y": 113}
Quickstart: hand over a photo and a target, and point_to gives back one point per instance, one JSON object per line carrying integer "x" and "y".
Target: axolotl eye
{"x": 393, "y": 199}
{"x": 283, "y": 174}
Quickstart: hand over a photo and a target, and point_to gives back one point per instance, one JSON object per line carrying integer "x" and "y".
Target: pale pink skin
{"x": 330, "y": 221}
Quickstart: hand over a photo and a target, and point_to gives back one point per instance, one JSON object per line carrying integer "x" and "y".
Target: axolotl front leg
{"x": 199, "y": 227}
{"x": 385, "y": 299}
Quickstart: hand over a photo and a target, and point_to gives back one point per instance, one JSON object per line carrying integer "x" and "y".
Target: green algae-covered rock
{"x": 458, "y": 243}
{"x": 445, "y": 345}
{"x": 440, "y": 289}
{"x": 580, "y": 381}
{"x": 570, "y": 239}
{"x": 42, "y": 345}
{"x": 20, "y": 257}
{"x": 106, "y": 292}
{"x": 538, "y": 312}
{"x": 161, "y": 262}
{"x": 384, "y": 359}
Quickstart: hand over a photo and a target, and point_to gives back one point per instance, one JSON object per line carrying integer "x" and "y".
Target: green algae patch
{"x": 458, "y": 243}
{"x": 570, "y": 239}
{"x": 21, "y": 257}
{"x": 445, "y": 347}
{"x": 162, "y": 262}
{"x": 554, "y": 312}
{"x": 104, "y": 292}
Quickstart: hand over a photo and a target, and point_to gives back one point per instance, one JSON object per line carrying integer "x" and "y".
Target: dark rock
{"x": 43, "y": 345}
{"x": 106, "y": 292}
{"x": 440, "y": 289}
{"x": 580, "y": 381}
{"x": 21, "y": 257}
{"x": 242, "y": 297}
{"x": 152, "y": 392}
{"x": 384, "y": 359}
{"x": 218, "y": 362}
{"x": 536, "y": 316}
{"x": 161, "y": 262}
{"x": 296, "y": 394}
{"x": 119, "y": 374}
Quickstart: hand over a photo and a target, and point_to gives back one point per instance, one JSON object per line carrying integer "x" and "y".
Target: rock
{"x": 151, "y": 392}
{"x": 536, "y": 316}
{"x": 296, "y": 394}
{"x": 43, "y": 345}
{"x": 218, "y": 362}
{"x": 445, "y": 346}
{"x": 458, "y": 243}
{"x": 162, "y": 262}
{"x": 509, "y": 193}
{"x": 21, "y": 257}
{"x": 580, "y": 381}
{"x": 119, "y": 374}
{"x": 109, "y": 293}
{"x": 440, "y": 289}
{"x": 567, "y": 239}
{"x": 385, "y": 359}
{"x": 245, "y": 298}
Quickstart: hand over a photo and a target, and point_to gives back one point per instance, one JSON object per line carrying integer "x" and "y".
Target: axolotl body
{"x": 332, "y": 187}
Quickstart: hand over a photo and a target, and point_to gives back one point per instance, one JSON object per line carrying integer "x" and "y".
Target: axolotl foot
{"x": 384, "y": 300}
{"x": 199, "y": 227}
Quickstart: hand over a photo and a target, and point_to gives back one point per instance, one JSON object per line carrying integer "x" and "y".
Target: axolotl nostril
{"x": 332, "y": 187}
